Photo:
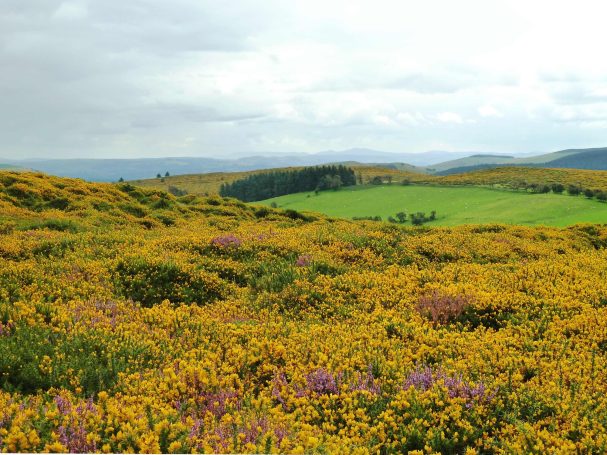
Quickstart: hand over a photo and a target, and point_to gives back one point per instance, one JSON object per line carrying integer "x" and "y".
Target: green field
{"x": 453, "y": 205}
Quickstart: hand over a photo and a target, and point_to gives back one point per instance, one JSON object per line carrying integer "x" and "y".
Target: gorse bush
{"x": 224, "y": 331}
{"x": 54, "y": 225}
{"x": 35, "y": 359}
{"x": 151, "y": 282}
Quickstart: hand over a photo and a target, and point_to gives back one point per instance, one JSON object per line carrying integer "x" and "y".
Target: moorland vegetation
{"x": 135, "y": 320}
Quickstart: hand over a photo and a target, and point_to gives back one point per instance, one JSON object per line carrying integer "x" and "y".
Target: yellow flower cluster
{"x": 223, "y": 331}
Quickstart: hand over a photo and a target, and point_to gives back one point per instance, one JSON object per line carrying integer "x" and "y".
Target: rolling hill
{"x": 439, "y": 163}
{"x": 512, "y": 177}
{"x": 594, "y": 159}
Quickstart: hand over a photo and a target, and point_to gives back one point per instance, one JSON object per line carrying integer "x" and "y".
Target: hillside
{"x": 440, "y": 163}
{"x": 210, "y": 183}
{"x": 111, "y": 170}
{"x": 582, "y": 159}
{"x": 594, "y": 159}
{"x": 513, "y": 177}
{"x": 470, "y": 162}
{"x": 133, "y": 321}
{"x": 453, "y": 205}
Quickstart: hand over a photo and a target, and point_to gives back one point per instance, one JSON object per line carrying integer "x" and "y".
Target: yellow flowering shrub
{"x": 222, "y": 331}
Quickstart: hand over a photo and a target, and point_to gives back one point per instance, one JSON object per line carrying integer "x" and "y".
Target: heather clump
{"x": 442, "y": 308}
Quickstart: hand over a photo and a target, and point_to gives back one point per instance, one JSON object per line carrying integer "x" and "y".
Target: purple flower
{"x": 366, "y": 382}
{"x": 75, "y": 439}
{"x": 217, "y": 403}
{"x": 421, "y": 378}
{"x": 226, "y": 241}
{"x": 73, "y": 435}
{"x": 425, "y": 378}
{"x": 278, "y": 382}
{"x": 63, "y": 405}
{"x": 256, "y": 428}
{"x": 304, "y": 260}
{"x": 5, "y": 329}
{"x": 322, "y": 382}
{"x": 195, "y": 430}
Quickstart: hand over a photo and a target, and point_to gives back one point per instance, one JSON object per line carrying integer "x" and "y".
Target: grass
{"x": 454, "y": 205}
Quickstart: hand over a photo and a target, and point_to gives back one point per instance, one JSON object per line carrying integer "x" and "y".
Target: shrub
{"x": 164, "y": 219}
{"x": 273, "y": 277}
{"x": 229, "y": 241}
{"x": 177, "y": 191}
{"x": 54, "y": 225}
{"x": 589, "y": 193}
{"x": 442, "y": 308}
{"x": 574, "y": 190}
{"x": 84, "y": 356}
{"x": 54, "y": 248}
{"x": 262, "y": 212}
{"x": 162, "y": 203}
{"x": 135, "y": 210}
{"x": 151, "y": 282}
{"x": 7, "y": 227}
{"x": 61, "y": 203}
{"x": 295, "y": 215}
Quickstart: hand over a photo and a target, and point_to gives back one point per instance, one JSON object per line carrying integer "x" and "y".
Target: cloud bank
{"x": 204, "y": 78}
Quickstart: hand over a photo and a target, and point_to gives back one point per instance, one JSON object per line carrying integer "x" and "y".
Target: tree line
{"x": 559, "y": 188}
{"x": 257, "y": 187}
{"x": 417, "y": 218}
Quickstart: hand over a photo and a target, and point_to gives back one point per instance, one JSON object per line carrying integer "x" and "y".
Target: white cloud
{"x": 149, "y": 77}
{"x": 449, "y": 117}
{"x": 489, "y": 111}
{"x": 71, "y": 11}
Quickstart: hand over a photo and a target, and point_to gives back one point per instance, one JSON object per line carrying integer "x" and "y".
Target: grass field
{"x": 454, "y": 205}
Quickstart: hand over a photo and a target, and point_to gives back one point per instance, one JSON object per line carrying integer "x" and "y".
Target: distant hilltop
{"x": 433, "y": 162}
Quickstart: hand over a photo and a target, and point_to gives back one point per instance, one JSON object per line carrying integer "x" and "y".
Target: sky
{"x": 155, "y": 78}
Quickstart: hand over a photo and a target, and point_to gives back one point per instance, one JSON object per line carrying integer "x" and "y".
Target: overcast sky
{"x": 118, "y": 78}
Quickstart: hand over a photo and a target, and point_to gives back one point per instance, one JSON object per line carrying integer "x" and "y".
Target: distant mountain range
{"x": 434, "y": 162}
{"x": 593, "y": 158}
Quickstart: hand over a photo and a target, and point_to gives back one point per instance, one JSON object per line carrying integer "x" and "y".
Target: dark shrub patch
{"x": 22, "y": 355}
{"x": 162, "y": 204}
{"x": 152, "y": 282}
{"x": 134, "y": 210}
{"x": 295, "y": 215}
{"x": 56, "y": 249}
{"x": 60, "y": 203}
{"x": 496, "y": 228}
{"x": 262, "y": 212}
{"x": 164, "y": 219}
{"x": 53, "y": 225}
